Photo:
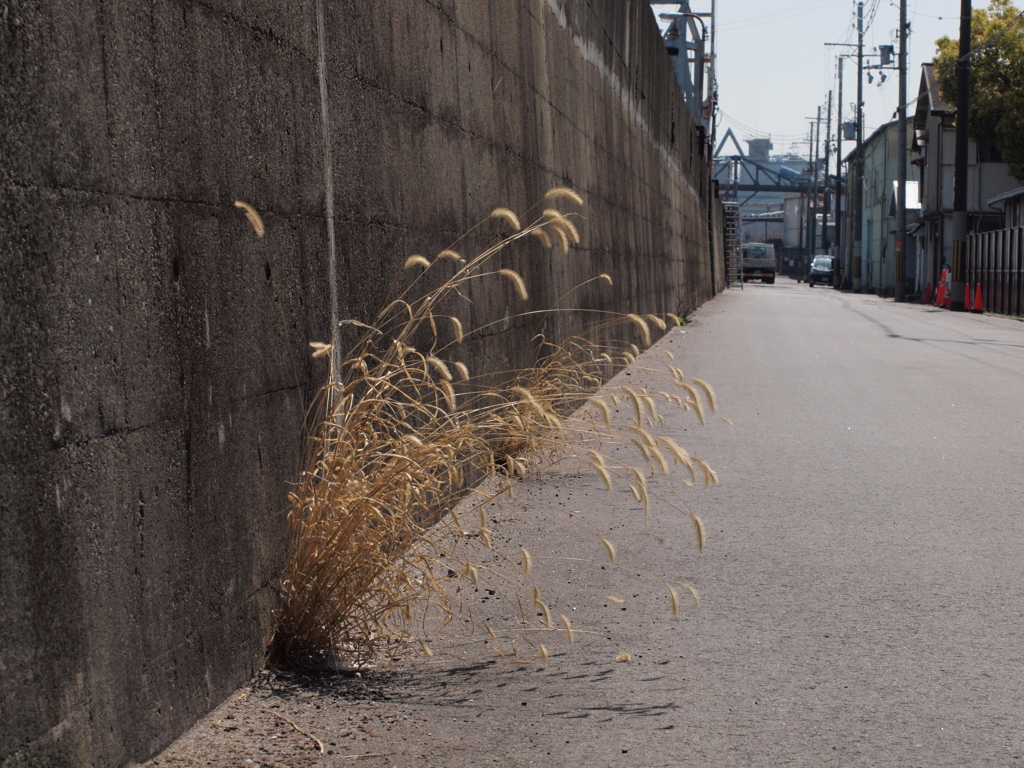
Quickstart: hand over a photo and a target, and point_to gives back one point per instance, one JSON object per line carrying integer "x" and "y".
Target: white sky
{"x": 774, "y": 69}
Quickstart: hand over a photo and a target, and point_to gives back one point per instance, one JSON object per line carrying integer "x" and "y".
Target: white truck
{"x": 759, "y": 262}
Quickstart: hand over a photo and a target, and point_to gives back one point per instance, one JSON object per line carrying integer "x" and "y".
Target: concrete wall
{"x": 153, "y": 352}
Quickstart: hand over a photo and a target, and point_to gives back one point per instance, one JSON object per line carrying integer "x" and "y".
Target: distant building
{"x": 766, "y": 227}
{"x": 988, "y": 177}
{"x": 878, "y": 223}
{"x": 795, "y": 255}
{"x": 759, "y": 149}
{"x": 795, "y": 208}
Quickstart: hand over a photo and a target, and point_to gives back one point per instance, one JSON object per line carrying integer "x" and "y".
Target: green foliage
{"x": 997, "y": 79}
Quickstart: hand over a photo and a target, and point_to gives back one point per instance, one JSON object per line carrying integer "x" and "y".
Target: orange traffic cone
{"x": 979, "y": 306}
{"x": 940, "y": 293}
{"x": 967, "y": 296}
{"x": 927, "y": 298}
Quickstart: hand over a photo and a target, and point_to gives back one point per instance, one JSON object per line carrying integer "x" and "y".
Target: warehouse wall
{"x": 154, "y": 364}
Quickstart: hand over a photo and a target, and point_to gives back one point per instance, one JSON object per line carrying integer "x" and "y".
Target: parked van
{"x": 759, "y": 262}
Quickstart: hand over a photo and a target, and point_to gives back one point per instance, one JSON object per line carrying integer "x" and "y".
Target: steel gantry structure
{"x": 738, "y": 173}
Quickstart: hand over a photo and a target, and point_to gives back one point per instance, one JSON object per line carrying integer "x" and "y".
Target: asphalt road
{"x": 862, "y": 590}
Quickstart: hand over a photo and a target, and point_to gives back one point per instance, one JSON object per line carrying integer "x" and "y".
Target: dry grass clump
{"x": 380, "y": 547}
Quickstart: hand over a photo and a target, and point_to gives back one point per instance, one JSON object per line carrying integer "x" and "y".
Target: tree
{"x": 997, "y": 80}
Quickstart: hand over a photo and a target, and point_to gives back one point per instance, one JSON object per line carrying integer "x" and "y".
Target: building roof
{"x": 1018, "y": 192}
{"x": 871, "y": 139}
{"x": 928, "y": 84}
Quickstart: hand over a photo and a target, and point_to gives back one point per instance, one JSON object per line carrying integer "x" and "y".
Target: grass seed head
{"x": 416, "y": 260}
{"x": 507, "y": 215}
{"x": 557, "y": 221}
{"x": 541, "y": 235}
{"x": 570, "y": 635}
{"x": 561, "y": 236}
{"x": 527, "y": 561}
{"x": 673, "y": 597}
{"x": 710, "y": 476}
{"x": 564, "y": 193}
{"x": 602, "y": 406}
{"x": 693, "y": 594}
{"x": 547, "y": 614}
{"x": 457, "y": 327}
{"x": 702, "y": 536}
{"x": 641, "y": 324}
{"x": 253, "y": 216}
{"x": 708, "y": 392}
{"x": 609, "y": 548}
{"x": 657, "y": 321}
{"x": 320, "y": 349}
{"x": 517, "y": 281}
{"x": 440, "y": 366}
{"x": 695, "y": 399}
{"x": 449, "y": 393}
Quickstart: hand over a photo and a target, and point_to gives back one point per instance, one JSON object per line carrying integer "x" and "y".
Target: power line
{"x": 771, "y": 18}
{"x": 757, "y": 132}
{"x": 869, "y": 19}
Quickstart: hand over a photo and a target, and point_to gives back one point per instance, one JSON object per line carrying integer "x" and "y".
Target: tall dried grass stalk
{"x": 378, "y": 551}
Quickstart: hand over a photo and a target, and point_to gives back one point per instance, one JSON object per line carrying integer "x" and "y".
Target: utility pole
{"x": 814, "y": 185}
{"x": 901, "y": 162}
{"x": 808, "y": 242}
{"x": 840, "y": 219}
{"x": 963, "y": 106}
{"x": 859, "y": 161}
{"x": 826, "y": 243}
{"x": 843, "y": 252}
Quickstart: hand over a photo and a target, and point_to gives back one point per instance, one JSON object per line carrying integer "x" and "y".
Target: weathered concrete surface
{"x": 153, "y": 358}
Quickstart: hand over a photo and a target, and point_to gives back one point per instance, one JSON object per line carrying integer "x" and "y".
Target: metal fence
{"x": 996, "y": 261}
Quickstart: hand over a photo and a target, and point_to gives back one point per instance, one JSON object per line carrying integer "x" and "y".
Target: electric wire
{"x": 772, "y": 18}
{"x": 757, "y": 132}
